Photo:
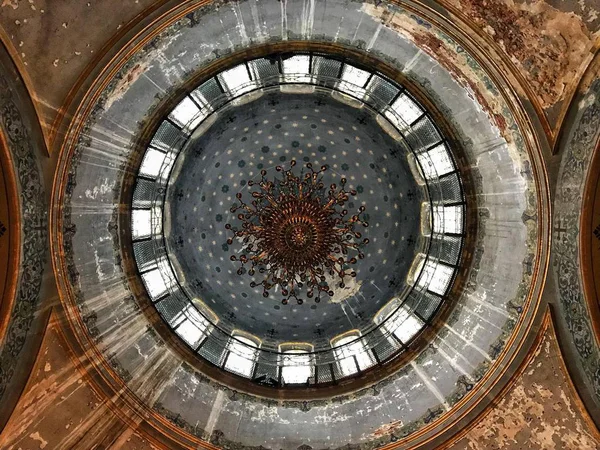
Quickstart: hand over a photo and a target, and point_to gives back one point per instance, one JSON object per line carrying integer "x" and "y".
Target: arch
{"x": 576, "y": 308}
{"x": 23, "y": 321}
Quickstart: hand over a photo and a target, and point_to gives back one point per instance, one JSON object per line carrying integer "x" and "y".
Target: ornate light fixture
{"x": 297, "y": 234}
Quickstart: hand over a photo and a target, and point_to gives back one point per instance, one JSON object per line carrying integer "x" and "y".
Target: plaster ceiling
{"x": 500, "y": 118}
{"x": 271, "y": 131}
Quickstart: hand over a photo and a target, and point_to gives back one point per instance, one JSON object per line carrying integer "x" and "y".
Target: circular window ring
{"x": 361, "y": 379}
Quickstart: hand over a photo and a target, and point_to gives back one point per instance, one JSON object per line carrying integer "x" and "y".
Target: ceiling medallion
{"x": 297, "y": 234}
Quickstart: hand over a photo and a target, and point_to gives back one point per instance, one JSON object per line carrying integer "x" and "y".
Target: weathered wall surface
{"x": 549, "y": 41}
{"x": 55, "y": 41}
{"x": 59, "y": 409}
{"x": 540, "y": 411}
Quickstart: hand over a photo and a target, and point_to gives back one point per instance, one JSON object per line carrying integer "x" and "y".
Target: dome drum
{"x": 438, "y": 236}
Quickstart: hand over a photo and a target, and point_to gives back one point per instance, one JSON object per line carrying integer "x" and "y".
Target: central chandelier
{"x": 297, "y": 235}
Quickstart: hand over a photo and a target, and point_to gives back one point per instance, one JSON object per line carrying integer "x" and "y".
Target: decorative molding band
{"x": 573, "y": 309}
{"x": 16, "y": 128}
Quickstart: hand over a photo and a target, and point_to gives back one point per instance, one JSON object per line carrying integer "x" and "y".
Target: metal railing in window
{"x": 241, "y": 355}
{"x": 192, "y": 326}
{"x": 297, "y": 366}
{"x": 352, "y": 354}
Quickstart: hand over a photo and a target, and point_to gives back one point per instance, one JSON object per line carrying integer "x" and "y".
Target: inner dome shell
{"x": 272, "y": 131}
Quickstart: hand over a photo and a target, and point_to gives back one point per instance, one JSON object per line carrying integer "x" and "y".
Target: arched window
{"x": 296, "y": 363}
{"x": 191, "y": 326}
{"x": 403, "y": 324}
{"x": 241, "y": 355}
{"x": 351, "y": 353}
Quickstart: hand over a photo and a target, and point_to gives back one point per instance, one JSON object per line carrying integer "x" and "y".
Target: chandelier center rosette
{"x": 297, "y": 234}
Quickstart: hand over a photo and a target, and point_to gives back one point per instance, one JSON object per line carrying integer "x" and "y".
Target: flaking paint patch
{"x": 537, "y": 413}
{"x": 548, "y": 46}
{"x": 351, "y": 288}
{"x": 36, "y": 437}
{"x": 123, "y": 85}
{"x": 106, "y": 186}
{"x": 387, "y": 429}
{"x": 14, "y": 4}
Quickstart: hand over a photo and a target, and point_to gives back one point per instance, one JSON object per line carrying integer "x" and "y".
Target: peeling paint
{"x": 14, "y": 4}
{"x": 36, "y": 437}
{"x": 547, "y": 45}
{"x": 539, "y": 412}
{"x": 446, "y": 56}
{"x": 123, "y": 84}
{"x": 387, "y": 429}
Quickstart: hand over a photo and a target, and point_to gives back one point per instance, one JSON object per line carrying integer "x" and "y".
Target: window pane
{"x": 407, "y": 109}
{"x": 383, "y": 91}
{"x": 155, "y": 284}
{"x": 189, "y": 332}
{"x": 151, "y": 163}
{"x": 296, "y": 69}
{"x": 296, "y": 366}
{"x": 167, "y": 166}
{"x": 436, "y": 276}
{"x": 168, "y": 137}
{"x": 193, "y": 326}
{"x": 200, "y": 99}
{"x": 436, "y": 162}
{"x": 345, "y": 354}
{"x": 141, "y": 223}
{"x": 236, "y": 80}
{"x": 403, "y": 324}
{"x": 186, "y": 114}
{"x": 166, "y": 272}
{"x": 241, "y": 357}
{"x": 156, "y": 220}
{"x": 447, "y": 219}
{"x": 353, "y": 81}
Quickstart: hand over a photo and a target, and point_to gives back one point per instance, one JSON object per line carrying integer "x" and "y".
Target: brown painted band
{"x": 12, "y": 237}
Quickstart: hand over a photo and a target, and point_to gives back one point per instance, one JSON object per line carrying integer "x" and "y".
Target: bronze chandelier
{"x": 295, "y": 232}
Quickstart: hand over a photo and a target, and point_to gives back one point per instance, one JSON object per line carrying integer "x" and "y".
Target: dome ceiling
{"x": 275, "y": 130}
{"x": 123, "y": 135}
{"x": 294, "y": 236}
{"x": 493, "y": 299}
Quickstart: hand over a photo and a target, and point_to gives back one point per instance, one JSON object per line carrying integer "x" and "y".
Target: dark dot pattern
{"x": 265, "y": 133}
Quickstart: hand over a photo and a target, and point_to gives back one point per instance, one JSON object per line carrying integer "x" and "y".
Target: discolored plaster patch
{"x": 59, "y": 407}
{"x": 547, "y": 45}
{"x": 539, "y": 412}
{"x": 449, "y": 55}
